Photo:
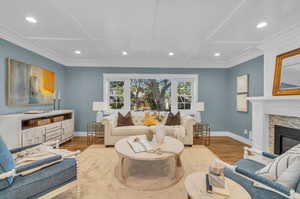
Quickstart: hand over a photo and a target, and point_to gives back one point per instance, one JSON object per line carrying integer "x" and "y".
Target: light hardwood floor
{"x": 226, "y": 148}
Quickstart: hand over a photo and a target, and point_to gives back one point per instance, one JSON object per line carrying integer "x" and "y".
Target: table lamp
{"x": 199, "y": 107}
{"x": 99, "y": 107}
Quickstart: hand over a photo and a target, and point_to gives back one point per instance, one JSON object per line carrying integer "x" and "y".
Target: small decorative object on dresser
{"x": 99, "y": 107}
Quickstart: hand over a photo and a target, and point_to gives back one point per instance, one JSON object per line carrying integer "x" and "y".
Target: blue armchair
{"x": 45, "y": 175}
{"x": 243, "y": 172}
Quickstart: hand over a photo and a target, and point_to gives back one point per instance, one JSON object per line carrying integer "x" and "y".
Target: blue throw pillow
{"x": 298, "y": 188}
{"x": 7, "y": 163}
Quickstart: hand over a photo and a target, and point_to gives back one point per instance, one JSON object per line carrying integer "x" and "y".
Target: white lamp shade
{"x": 199, "y": 106}
{"x": 99, "y": 106}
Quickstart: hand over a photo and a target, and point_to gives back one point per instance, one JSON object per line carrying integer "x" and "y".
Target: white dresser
{"x": 20, "y": 130}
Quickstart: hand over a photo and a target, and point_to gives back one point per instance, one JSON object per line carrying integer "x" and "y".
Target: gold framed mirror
{"x": 287, "y": 74}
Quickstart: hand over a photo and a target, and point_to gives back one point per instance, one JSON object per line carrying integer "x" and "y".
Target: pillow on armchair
{"x": 7, "y": 163}
{"x": 275, "y": 168}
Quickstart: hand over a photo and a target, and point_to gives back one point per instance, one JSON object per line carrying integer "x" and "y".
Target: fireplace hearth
{"x": 285, "y": 138}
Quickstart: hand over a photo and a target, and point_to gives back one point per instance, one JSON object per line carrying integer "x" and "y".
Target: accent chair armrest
{"x": 258, "y": 152}
{"x": 32, "y": 166}
{"x": 16, "y": 150}
{"x": 264, "y": 181}
{"x": 40, "y": 163}
{"x": 256, "y": 179}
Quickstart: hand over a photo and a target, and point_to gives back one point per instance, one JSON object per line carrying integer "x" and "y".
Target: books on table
{"x": 139, "y": 144}
{"x": 211, "y": 187}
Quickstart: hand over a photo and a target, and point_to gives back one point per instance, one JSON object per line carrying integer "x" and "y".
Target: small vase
{"x": 160, "y": 133}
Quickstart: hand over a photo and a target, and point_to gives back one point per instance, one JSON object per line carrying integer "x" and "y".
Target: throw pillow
{"x": 149, "y": 120}
{"x": 275, "y": 168}
{"x": 291, "y": 176}
{"x": 173, "y": 120}
{"x": 7, "y": 163}
{"x": 125, "y": 120}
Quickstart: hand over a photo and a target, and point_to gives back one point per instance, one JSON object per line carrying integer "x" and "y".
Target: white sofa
{"x": 114, "y": 133}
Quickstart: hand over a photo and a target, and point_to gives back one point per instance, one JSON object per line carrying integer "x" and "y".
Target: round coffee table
{"x": 145, "y": 165}
{"x": 195, "y": 186}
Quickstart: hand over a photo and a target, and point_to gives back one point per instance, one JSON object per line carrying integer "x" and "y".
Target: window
{"x": 184, "y": 95}
{"x": 116, "y": 94}
{"x": 157, "y": 92}
{"x": 150, "y": 94}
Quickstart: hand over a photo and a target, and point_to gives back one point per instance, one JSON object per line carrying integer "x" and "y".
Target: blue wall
{"x": 84, "y": 85}
{"x": 80, "y": 86}
{"x": 239, "y": 121}
{"x": 8, "y": 49}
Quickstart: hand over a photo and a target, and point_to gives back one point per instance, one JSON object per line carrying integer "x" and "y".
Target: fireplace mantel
{"x": 262, "y": 108}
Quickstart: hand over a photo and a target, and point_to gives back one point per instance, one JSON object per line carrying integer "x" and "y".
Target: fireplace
{"x": 285, "y": 138}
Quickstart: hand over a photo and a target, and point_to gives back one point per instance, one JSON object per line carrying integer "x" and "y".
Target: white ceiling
{"x": 147, "y": 29}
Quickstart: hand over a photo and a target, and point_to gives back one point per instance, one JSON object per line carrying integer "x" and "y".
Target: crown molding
{"x": 21, "y": 41}
{"x": 244, "y": 57}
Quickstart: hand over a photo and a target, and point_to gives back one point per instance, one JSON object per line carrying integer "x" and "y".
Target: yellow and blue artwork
{"x": 29, "y": 85}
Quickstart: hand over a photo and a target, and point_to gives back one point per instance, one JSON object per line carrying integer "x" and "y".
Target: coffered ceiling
{"x": 194, "y": 30}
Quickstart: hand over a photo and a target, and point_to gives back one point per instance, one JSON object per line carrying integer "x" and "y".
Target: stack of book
{"x": 216, "y": 183}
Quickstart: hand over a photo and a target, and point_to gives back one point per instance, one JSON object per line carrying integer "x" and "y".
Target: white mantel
{"x": 262, "y": 107}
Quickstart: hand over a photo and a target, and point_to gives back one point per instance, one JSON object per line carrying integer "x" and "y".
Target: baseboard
{"x": 232, "y": 135}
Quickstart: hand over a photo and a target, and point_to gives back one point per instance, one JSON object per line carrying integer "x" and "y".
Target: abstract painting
{"x": 29, "y": 85}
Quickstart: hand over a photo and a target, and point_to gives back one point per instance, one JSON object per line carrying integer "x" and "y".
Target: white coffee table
{"x": 195, "y": 186}
{"x": 172, "y": 149}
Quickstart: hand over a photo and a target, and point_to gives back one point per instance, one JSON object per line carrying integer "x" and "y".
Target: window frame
{"x": 174, "y": 78}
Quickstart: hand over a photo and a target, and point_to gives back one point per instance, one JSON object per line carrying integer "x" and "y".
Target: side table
{"x": 94, "y": 130}
{"x": 195, "y": 187}
{"x": 201, "y": 129}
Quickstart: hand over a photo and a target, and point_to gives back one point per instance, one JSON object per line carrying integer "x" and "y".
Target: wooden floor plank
{"x": 226, "y": 148}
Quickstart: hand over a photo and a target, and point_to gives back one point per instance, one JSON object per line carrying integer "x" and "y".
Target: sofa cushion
{"x": 42, "y": 181}
{"x": 129, "y": 130}
{"x": 138, "y": 119}
{"x": 7, "y": 163}
{"x": 125, "y": 120}
{"x": 149, "y": 120}
{"x": 275, "y": 168}
{"x": 173, "y": 119}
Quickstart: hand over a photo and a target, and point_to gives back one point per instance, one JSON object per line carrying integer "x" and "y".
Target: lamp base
{"x": 99, "y": 116}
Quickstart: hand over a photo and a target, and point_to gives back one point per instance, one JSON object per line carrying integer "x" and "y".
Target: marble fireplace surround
{"x": 285, "y": 121}
{"x": 270, "y": 111}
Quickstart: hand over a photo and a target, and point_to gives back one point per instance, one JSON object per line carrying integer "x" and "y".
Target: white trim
{"x": 14, "y": 37}
{"x": 232, "y": 135}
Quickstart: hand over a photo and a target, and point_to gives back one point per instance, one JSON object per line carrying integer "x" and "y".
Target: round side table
{"x": 195, "y": 186}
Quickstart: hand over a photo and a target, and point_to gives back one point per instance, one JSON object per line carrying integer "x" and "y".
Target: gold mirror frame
{"x": 277, "y": 77}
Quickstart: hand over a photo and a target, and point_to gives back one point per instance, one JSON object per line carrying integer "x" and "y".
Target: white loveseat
{"x": 114, "y": 133}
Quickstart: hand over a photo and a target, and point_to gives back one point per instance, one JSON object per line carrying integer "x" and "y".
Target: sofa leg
{"x": 188, "y": 145}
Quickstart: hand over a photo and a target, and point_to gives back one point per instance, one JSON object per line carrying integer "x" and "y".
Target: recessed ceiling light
{"x": 261, "y": 24}
{"x": 217, "y": 54}
{"x": 77, "y": 52}
{"x": 171, "y": 54}
{"x": 124, "y": 53}
{"x": 31, "y": 19}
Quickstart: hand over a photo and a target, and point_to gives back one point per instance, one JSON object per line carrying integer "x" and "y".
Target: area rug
{"x": 96, "y": 177}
